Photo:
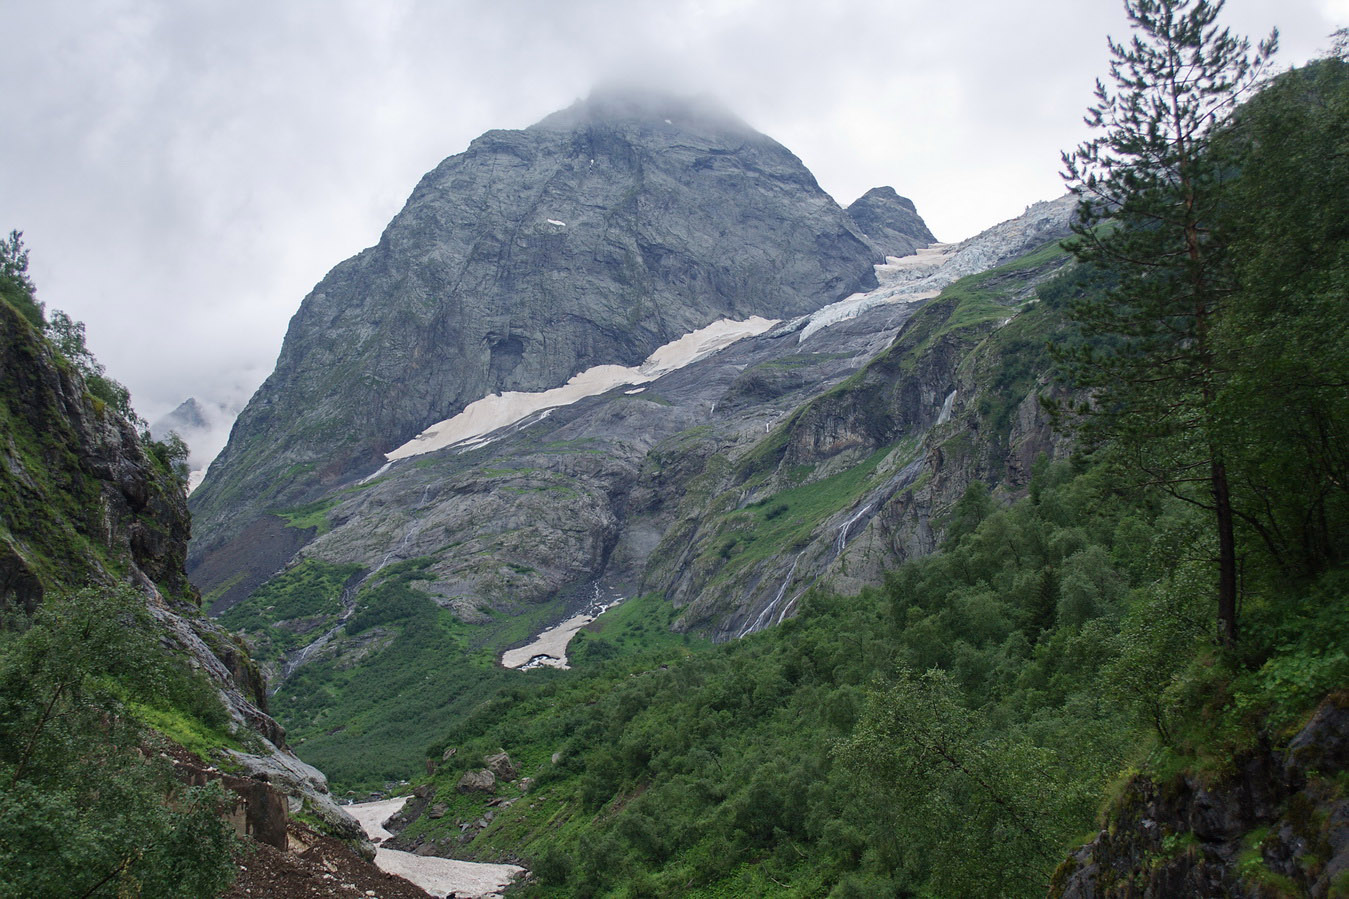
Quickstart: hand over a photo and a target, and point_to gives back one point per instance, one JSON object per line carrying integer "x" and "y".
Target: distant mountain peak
{"x": 189, "y": 415}
{"x": 616, "y": 103}
{"x": 890, "y": 221}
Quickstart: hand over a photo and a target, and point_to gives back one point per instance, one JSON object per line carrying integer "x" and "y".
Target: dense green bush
{"x": 83, "y": 811}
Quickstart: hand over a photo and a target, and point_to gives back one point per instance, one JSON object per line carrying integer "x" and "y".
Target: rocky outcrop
{"x": 479, "y": 781}
{"x": 890, "y": 221}
{"x": 595, "y": 236}
{"x": 1276, "y": 825}
{"x": 500, "y": 764}
{"x": 76, "y": 484}
{"x": 84, "y": 501}
{"x": 257, "y": 809}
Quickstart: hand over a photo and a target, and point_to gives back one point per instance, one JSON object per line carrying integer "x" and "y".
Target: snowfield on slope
{"x": 492, "y": 413}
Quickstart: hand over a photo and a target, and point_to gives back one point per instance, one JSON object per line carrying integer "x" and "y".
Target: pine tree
{"x": 1149, "y": 190}
{"x": 15, "y": 284}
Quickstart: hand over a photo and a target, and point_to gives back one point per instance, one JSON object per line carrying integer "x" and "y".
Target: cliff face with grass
{"x": 101, "y": 621}
{"x": 1272, "y": 821}
{"x": 86, "y": 501}
{"x": 80, "y": 496}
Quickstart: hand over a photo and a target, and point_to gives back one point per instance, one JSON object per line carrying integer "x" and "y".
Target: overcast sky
{"x": 185, "y": 171}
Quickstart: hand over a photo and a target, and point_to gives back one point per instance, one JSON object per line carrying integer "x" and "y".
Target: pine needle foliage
{"x": 1150, "y": 188}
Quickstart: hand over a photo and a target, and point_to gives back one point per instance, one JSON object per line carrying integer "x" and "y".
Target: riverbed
{"x": 438, "y": 876}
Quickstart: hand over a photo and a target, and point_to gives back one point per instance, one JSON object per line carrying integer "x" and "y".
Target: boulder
{"x": 480, "y": 781}
{"x": 501, "y": 765}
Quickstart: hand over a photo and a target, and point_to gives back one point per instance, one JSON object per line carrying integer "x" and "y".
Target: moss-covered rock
{"x": 1276, "y": 825}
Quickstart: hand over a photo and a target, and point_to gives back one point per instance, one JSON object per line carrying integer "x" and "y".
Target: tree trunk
{"x": 1227, "y": 555}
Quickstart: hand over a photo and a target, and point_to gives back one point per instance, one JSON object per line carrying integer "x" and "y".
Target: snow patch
{"x": 946, "y": 408}
{"x": 441, "y": 876}
{"x": 491, "y": 413}
{"x": 921, "y": 276}
{"x": 549, "y": 648}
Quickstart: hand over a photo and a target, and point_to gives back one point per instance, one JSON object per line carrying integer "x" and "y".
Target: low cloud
{"x": 185, "y": 171}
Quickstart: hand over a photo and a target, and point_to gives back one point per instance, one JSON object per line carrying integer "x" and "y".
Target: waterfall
{"x": 289, "y": 666}
{"x": 374, "y": 474}
{"x": 946, "y": 408}
{"x": 847, "y": 526}
{"x": 413, "y": 530}
{"x": 766, "y": 615}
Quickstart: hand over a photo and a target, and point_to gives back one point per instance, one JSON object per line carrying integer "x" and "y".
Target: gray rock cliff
{"x": 594, "y": 236}
{"x": 890, "y": 221}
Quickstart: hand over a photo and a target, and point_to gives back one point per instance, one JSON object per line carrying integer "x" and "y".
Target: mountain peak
{"x": 890, "y": 221}
{"x": 188, "y": 415}
{"x": 591, "y": 238}
{"x": 626, "y": 103}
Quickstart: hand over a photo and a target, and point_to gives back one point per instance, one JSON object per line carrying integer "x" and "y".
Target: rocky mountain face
{"x": 890, "y": 221}
{"x": 84, "y": 501}
{"x": 595, "y": 236}
{"x": 1275, "y": 825}
{"x": 860, "y": 477}
{"x": 817, "y": 453}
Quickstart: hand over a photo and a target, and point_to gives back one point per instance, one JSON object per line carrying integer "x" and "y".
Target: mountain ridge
{"x": 514, "y": 265}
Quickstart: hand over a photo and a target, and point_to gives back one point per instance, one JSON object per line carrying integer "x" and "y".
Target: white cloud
{"x": 186, "y": 170}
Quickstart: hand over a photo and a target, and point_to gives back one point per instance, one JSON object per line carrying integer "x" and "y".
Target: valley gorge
{"x": 818, "y": 451}
{"x": 633, "y": 519}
